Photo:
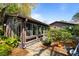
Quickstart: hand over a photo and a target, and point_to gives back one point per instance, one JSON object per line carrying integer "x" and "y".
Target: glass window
{"x": 34, "y": 29}
{"x": 15, "y": 26}
{"x": 28, "y": 29}
{"x": 39, "y": 30}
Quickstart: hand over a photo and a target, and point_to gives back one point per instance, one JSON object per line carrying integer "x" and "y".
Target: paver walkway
{"x": 38, "y": 49}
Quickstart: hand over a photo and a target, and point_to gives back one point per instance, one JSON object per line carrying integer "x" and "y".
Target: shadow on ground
{"x": 42, "y": 50}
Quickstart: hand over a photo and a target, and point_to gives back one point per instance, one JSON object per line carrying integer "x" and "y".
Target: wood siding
{"x": 17, "y": 26}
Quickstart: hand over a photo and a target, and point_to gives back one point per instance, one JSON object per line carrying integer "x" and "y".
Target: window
{"x": 42, "y": 29}
{"x": 39, "y": 30}
{"x": 28, "y": 29}
{"x": 19, "y": 30}
{"x": 34, "y": 29}
{"x": 14, "y": 24}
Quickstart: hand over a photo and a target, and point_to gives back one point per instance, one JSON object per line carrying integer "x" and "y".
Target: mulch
{"x": 19, "y": 52}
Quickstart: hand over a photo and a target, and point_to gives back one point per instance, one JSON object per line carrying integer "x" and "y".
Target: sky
{"x": 51, "y": 12}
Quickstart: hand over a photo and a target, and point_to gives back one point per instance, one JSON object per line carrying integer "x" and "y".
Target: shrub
{"x": 13, "y": 42}
{"x": 56, "y": 35}
{"x": 12, "y": 8}
{"x": 61, "y": 35}
{"x": 1, "y": 31}
{"x": 76, "y": 30}
{"x": 5, "y": 50}
{"x": 66, "y": 35}
{"x": 3, "y": 37}
{"x": 48, "y": 40}
{"x": 49, "y": 36}
{"x": 69, "y": 29}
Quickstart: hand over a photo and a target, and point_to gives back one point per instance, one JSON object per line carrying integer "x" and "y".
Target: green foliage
{"x": 1, "y": 32}
{"x": 61, "y": 34}
{"x": 3, "y": 38}
{"x": 76, "y": 30}
{"x": 48, "y": 40}
{"x": 70, "y": 29}
{"x": 13, "y": 42}
{"x": 66, "y": 35}
{"x": 5, "y": 50}
{"x": 12, "y": 8}
{"x": 76, "y": 17}
{"x": 24, "y": 9}
{"x": 49, "y": 36}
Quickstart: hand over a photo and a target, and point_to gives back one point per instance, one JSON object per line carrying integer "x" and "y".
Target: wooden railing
{"x": 30, "y": 40}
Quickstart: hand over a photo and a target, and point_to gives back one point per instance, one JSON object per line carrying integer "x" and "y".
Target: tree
{"x": 23, "y": 9}
{"x": 12, "y": 9}
{"x": 7, "y": 9}
{"x": 76, "y": 17}
{"x": 26, "y": 8}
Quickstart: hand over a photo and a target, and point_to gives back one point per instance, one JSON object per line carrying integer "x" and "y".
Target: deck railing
{"x": 30, "y": 40}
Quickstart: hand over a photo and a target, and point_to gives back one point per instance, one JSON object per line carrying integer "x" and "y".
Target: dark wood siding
{"x": 19, "y": 26}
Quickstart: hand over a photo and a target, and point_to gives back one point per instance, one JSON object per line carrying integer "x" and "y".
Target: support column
{"x": 23, "y": 35}
{"x": 31, "y": 29}
{"x": 7, "y": 31}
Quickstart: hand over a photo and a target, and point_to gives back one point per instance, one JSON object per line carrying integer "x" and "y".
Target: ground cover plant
{"x": 5, "y": 50}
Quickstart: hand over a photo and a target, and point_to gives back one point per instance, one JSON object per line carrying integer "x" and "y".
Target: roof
{"x": 36, "y": 21}
{"x": 29, "y": 19}
{"x": 70, "y": 23}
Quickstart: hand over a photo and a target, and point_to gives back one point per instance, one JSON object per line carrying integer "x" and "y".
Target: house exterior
{"x": 60, "y": 24}
{"x": 26, "y": 28}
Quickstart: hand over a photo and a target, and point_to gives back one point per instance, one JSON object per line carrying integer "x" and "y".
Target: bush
{"x": 66, "y": 35}
{"x": 12, "y": 8}
{"x": 1, "y": 31}
{"x": 48, "y": 40}
{"x": 13, "y": 42}
{"x": 61, "y": 35}
{"x": 5, "y": 50}
{"x": 76, "y": 30}
{"x": 69, "y": 29}
{"x": 3, "y": 38}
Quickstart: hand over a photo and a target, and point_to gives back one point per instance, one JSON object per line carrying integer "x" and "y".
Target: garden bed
{"x": 19, "y": 52}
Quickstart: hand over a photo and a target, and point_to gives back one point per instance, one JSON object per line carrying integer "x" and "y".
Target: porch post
{"x": 23, "y": 35}
{"x": 7, "y": 30}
